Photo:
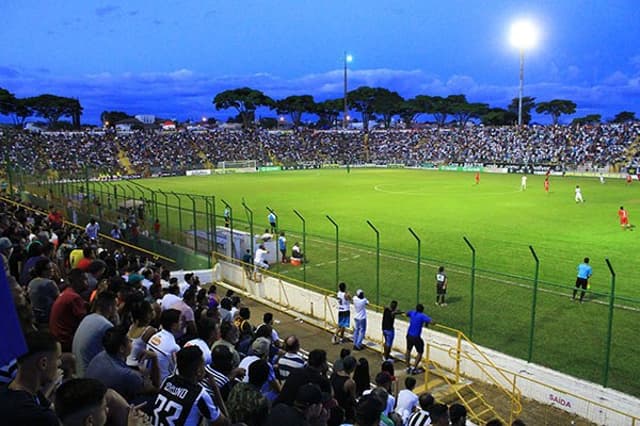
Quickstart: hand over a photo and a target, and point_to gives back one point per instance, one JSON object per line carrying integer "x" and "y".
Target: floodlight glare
{"x": 348, "y": 58}
{"x": 523, "y": 35}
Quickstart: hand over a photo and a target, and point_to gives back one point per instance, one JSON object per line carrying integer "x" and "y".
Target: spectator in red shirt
{"x": 55, "y": 218}
{"x": 87, "y": 259}
{"x": 68, "y": 310}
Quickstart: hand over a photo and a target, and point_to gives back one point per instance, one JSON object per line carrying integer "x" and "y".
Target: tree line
{"x": 50, "y": 107}
{"x": 379, "y": 103}
{"x": 372, "y": 103}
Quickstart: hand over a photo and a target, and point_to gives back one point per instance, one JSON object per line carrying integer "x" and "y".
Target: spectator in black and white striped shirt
{"x": 222, "y": 372}
{"x": 422, "y": 417}
{"x": 291, "y": 359}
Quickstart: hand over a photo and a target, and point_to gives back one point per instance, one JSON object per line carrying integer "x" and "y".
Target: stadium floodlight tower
{"x": 347, "y": 58}
{"x": 523, "y": 35}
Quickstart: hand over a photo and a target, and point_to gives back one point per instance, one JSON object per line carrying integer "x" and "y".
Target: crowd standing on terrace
{"x": 116, "y": 338}
{"x": 595, "y": 146}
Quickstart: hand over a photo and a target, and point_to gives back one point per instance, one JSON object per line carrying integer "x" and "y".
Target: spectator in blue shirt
{"x": 417, "y": 320}
{"x": 582, "y": 281}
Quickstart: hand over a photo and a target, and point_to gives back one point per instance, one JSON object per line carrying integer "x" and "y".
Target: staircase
{"x": 632, "y": 151}
{"x": 124, "y": 161}
{"x": 448, "y": 386}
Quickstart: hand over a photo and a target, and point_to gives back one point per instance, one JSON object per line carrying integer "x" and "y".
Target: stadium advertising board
{"x": 199, "y": 172}
{"x": 270, "y": 168}
{"x": 462, "y": 168}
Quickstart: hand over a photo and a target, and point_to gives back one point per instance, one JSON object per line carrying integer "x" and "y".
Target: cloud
{"x": 184, "y": 93}
{"x": 107, "y": 10}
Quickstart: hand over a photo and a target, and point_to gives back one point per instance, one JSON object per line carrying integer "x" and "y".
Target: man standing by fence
{"x": 417, "y": 320}
{"x": 344, "y": 313}
{"x": 582, "y": 281}
{"x": 441, "y": 286}
{"x": 360, "y": 319}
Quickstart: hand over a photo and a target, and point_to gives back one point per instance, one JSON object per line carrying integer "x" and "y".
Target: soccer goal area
{"x": 241, "y": 166}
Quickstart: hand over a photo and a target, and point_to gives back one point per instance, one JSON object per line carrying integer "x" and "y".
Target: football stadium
{"x": 356, "y": 244}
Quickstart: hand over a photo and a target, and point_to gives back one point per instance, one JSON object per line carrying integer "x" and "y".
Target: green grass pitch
{"x": 499, "y": 219}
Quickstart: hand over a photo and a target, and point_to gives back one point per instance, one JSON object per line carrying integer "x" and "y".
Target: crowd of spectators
{"x": 116, "y": 339}
{"x": 595, "y": 146}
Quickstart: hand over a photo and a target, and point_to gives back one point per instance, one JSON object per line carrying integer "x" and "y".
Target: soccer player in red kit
{"x": 624, "y": 218}
{"x": 546, "y": 185}
{"x": 477, "y": 178}
{"x": 628, "y": 179}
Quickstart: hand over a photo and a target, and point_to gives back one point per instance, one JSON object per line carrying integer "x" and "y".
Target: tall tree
{"x": 295, "y": 106}
{"x": 587, "y": 119}
{"x": 556, "y": 108}
{"x": 499, "y": 117}
{"x": 7, "y": 102}
{"x": 110, "y": 118}
{"x": 441, "y": 108}
{"x": 328, "y": 111}
{"x": 362, "y": 100}
{"x": 387, "y": 104}
{"x": 624, "y": 117}
{"x": 52, "y": 107}
{"x": 463, "y": 111}
{"x": 409, "y": 111}
{"x": 245, "y": 101}
{"x": 528, "y": 103}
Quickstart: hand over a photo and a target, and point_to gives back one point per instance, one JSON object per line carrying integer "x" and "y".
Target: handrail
{"x": 456, "y": 353}
{"x": 105, "y": 236}
{"x": 478, "y": 395}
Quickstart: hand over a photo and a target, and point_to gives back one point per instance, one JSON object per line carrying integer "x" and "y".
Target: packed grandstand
{"x": 597, "y": 146}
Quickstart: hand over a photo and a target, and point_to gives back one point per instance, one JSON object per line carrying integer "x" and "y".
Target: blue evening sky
{"x": 170, "y": 57}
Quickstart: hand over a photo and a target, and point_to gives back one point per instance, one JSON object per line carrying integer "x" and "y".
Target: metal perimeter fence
{"x": 520, "y": 315}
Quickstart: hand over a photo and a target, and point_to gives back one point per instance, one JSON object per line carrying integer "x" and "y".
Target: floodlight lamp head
{"x": 523, "y": 34}
{"x": 348, "y": 58}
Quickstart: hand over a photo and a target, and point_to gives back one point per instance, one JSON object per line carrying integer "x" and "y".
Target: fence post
{"x": 230, "y": 240}
{"x": 377, "y": 261}
{"x": 179, "y": 213}
{"x": 166, "y": 208}
{"x": 304, "y": 245}
{"x": 473, "y": 285}
{"x": 195, "y": 223}
{"x": 612, "y": 295}
{"x": 208, "y": 230}
{"x": 276, "y": 235}
{"x": 10, "y": 177}
{"x": 337, "y": 248}
{"x": 418, "y": 261}
{"x": 86, "y": 179}
{"x": 249, "y": 213}
{"x": 215, "y": 224}
{"x": 533, "y": 304}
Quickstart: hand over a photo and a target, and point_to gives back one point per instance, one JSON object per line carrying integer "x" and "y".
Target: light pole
{"x": 523, "y": 36}
{"x": 347, "y": 58}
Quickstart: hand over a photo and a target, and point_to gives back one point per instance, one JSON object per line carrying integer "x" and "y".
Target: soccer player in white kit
{"x": 523, "y": 183}
{"x": 579, "y": 195}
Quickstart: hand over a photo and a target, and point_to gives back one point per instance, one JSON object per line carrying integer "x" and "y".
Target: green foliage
{"x": 441, "y": 108}
{"x": 362, "y": 100}
{"x": 464, "y": 111}
{"x": 245, "y": 101}
{"x": 7, "y": 102}
{"x": 387, "y": 104}
{"x": 52, "y": 108}
{"x": 624, "y": 117}
{"x": 556, "y": 108}
{"x": 113, "y": 117}
{"x": 528, "y": 103}
{"x": 295, "y": 106}
{"x": 328, "y": 111}
{"x": 587, "y": 119}
{"x": 268, "y": 123}
{"x": 499, "y": 117}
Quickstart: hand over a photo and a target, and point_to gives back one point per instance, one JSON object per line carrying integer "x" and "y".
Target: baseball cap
{"x": 359, "y": 292}
{"x": 5, "y": 243}
{"x": 260, "y": 346}
{"x": 309, "y": 394}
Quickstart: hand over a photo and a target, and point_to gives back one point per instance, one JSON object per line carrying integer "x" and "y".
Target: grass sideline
{"x": 499, "y": 219}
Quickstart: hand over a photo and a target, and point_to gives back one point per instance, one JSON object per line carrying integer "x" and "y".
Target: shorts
{"x": 624, "y": 221}
{"x": 389, "y": 335}
{"x": 582, "y": 283}
{"x": 344, "y": 318}
{"x": 415, "y": 342}
{"x": 441, "y": 289}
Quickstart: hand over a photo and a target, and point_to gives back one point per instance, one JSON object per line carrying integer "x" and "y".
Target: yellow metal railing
{"x": 494, "y": 374}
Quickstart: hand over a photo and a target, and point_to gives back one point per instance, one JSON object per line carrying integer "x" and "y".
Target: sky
{"x": 171, "y": 57}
